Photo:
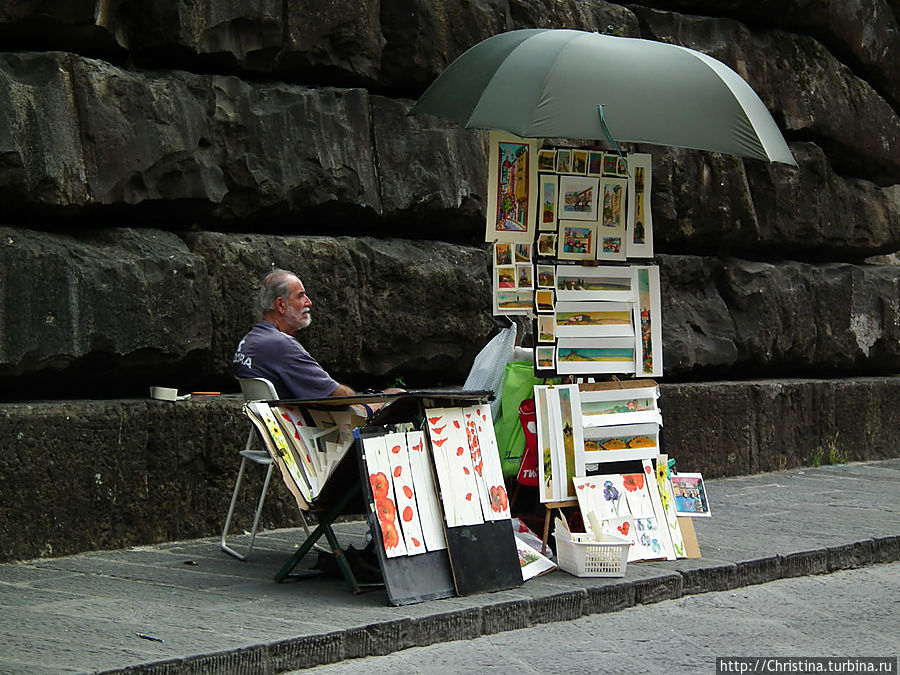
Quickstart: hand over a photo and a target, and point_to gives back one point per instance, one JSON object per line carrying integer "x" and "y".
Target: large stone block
{"x": 707, "y": 202}
{"x": 864, "y": 33}
{"x": 382, "y": 308}
{"x": 108, "y": 305}
{"x": 810, "y": 93}
{"x": 742, "y": 317}
{"x": 433, "y": 175}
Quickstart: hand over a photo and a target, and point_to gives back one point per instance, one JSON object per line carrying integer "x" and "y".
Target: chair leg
{"x": 237, "y": 487}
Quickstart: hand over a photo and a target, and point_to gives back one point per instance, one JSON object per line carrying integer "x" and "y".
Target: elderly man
{"x": 270, "y": 350}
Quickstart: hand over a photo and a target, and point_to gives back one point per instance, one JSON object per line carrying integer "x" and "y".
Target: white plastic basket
{"x": 583, "y": 556}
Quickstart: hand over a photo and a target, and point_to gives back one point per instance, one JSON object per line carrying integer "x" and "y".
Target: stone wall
{"x": 157, "y": 158}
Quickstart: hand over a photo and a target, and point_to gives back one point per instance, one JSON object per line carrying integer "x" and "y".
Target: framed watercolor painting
{"x": 546, "y": 328}
{"x": 690, "y": 494}
{"x": 577, "y": 240}
{"x": 546, "y": 276}
{"x": 563, "y": 160}
{"x": 502, "y": 254}
{"x": 595, "y": 163}
{"x": 578, "y": 199}
{"x": 524, "y": 276}
{"x": 594, "y": 355}
{"x": 544, "y": 302}
{"x": 512, "y": 188}
{"x": 616, "y": 284}
{"x": 546, "y": 245}
{"x": 579, "y": 162}
{"x": 546, "y": 159}
{"x": 648, "y": 319}
{"x": 594, "y": 319}
{"x": 548, "y": 186}
{"x": 639, "y": 225}
{"x": 522, "y": 253}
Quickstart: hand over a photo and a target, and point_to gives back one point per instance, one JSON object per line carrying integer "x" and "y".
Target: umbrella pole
{"x": 610, "y": 137}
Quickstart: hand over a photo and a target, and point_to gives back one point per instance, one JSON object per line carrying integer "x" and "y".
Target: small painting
{"x": 610, "y": 247}
{"x": 578, "y": 199}
{"x": 690, "y": 494}
{"x": 546, "y": 159}
{"x": 595, "y": 283}
{"x": 546, "y": 245}
{"x": 544, "y": 301}
{"x": 595, "y": 355}
{"x": 523, "y": 253}
{"x": 577, "y": 241}
{"x": 524, "y": 276}
{"x": 502, "y": 254}
{"x": 546, "y": 276}
{"x": 546, "y": 328}
{"x": 514, "y": 302}
{"x": 548, "y": 187}
{"x": 563, "y": 160}
{"x": 595, "y": 163}
{"x": 506, "y": 276}
{"x": 612, "y": 192}
{"x": 592, "y": 319}
{"x": 579, "y": 162}
{"x": 544, "y": 358}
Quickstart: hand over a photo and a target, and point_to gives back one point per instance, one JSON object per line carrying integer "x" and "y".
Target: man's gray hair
{"x": 276, "y": 284}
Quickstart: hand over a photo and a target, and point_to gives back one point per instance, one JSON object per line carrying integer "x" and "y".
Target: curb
{"x": 465, "y": 624}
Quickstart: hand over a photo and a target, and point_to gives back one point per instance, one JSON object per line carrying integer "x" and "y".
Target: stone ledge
{"x": 93, "y": 475}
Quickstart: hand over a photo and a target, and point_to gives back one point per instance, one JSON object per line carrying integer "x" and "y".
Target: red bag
{"x": 528, "y": 469}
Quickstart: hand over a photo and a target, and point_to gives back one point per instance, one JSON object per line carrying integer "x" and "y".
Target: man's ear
{"x": 280, "y": 304}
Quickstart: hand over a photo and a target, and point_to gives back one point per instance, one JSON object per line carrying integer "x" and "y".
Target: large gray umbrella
{"x": 567, "y": 84}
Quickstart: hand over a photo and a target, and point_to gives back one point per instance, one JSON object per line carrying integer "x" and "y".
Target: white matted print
{"x": 545, "y": 452}
{"x": 577, "y": 240}
{"x": 594, "y": 319}
{"x": 585, "y": 356}
{"x": 579, "y": 199}
{"x": 547, "y": 159}
{"x": 503, "y": 254}
{"x": 505, "y": 277}
{"x": 486, "y": 460}
{"x": 546, "y": 276}
{"x": 595, "y": 163}
{"x": 425, "y": 492}
{"x": 564, "y": 160}
{"x": 610, "y": 246}
{"x": 549, "y": 188}
{"x": 579, "y": 162}
{"x": 619, "y": 443}
{"x": 574, "y": 282}
{"x": 620, "y": 406}
{"x": 524, "y": 276}
{"x": 648, "y": 337}
{"x": 639, "y": 226}
{"x": 546, "y": 245}
{"x": 405, "y": 493}
{"x": 522, "y": 252}
{"x": 378, "y": 467}
{"x": 545, "y": 357}
{"x": 512, "y": 188}
{"x": 513, "y": 302}
{"x": 544, "y": 301}
{"x": 565, "y": 437}
{"x": 453, "y": 466}
{"x": 546, "y": 328}
{"x": 614, "y": 165}
{"x": 690, "y": 494}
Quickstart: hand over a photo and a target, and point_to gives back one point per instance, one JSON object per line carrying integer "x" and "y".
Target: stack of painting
{"x": 580, "y": 427}
{"x": 439, "y": 501}
{"x": 553, "y": 215}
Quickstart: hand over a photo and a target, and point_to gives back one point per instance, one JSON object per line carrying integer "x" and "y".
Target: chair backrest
{"x": 257, "y": 389}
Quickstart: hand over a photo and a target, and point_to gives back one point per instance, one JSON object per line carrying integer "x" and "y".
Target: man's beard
{"x": 300, "y": 318}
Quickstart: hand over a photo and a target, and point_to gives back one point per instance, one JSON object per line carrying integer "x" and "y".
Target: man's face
{"x": 297, "y": 304}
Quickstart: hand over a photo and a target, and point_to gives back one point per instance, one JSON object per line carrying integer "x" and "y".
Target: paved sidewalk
{"x": 187, "y": 607}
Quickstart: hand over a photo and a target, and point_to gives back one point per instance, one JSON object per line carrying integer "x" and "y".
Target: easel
{"x": 550, "y": 506}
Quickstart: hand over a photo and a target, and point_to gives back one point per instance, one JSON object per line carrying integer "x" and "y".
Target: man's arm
{"x": 343, "y": 390}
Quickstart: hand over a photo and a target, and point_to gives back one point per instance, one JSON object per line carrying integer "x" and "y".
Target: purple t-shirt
{"x": 267, "y": 352}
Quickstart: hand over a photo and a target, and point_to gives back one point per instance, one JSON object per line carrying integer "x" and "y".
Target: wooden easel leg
{"x": 546, "y": 531}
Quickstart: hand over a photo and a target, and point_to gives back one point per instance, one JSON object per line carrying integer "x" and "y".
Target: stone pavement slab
{"x": 186, "y": 607}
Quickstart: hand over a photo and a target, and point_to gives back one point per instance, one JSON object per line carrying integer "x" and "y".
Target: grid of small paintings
{"x": 564, "y": 224}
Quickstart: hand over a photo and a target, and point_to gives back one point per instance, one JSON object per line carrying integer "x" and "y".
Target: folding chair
{"x": 253, "y": 389}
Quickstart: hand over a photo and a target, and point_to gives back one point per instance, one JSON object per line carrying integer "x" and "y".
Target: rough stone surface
{"x": 382, "y": 308}
{"x": 124, "y": 298}
{"x": 739, "y": 316}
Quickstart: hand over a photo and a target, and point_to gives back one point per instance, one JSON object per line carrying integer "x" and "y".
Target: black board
{"x": 484, "y": 557}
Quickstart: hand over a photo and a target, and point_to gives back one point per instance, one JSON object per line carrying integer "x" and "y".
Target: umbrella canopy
{"x": 541, "y": 83}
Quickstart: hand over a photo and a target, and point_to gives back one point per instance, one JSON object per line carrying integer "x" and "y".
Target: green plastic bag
{"x": 518, "y": 385}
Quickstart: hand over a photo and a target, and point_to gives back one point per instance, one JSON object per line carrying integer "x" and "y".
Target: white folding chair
{"x": 253, "y": 389}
